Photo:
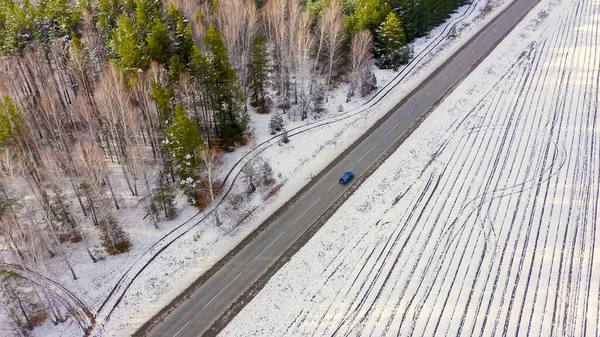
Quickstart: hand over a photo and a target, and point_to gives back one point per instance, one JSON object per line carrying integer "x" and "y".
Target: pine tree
{"x": 163, "y": 197}
{"x": 114, "y": 239}
{"x": 184, "y": 141}
{"x": 390, "y": 48}
{"x": 275, "y": 124}
{"x": 12, "y": 125}
{"x": 163, "y": 97}
{"x": 411, "y": 18}
{"x": 127, "y": 46}
{"x": 158, "y": 43}
{"x": 16, "y": 28}
{"x": 259, "y": 76}
{"x": 368, "y": 14}
{"x": 182, "y": 43}
{"x": 284, "y": 137}
{"x": 64, "y": 217}
{"x": 267, "y": 173}
{"x": 107, "y": 12}
{"x": 225, "y": 92}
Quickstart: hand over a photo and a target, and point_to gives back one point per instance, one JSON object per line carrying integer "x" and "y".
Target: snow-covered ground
{"x": 127, "y": 290}
{"x": 483, "y": 223}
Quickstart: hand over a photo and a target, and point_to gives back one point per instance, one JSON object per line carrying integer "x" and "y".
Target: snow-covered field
{"x": 483, "y": 223}
{"x": 127, "y": 290}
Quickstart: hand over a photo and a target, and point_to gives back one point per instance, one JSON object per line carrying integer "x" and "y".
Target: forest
{"x": 153, "y": 93}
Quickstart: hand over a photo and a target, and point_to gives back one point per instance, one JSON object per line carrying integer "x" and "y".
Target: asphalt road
{"x": 196, "y": 314}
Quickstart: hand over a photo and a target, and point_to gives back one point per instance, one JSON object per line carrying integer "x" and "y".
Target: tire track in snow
{"x": 497, "y": 279}
{"x": 482, "y": 195}
{"x": 512, "y": 188}
{"x": 525, "y": 244}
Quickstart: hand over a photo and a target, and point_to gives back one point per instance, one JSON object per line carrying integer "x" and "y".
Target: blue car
{"x": 346, "y": 178}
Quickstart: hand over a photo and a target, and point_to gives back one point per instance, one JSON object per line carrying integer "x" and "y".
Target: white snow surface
{"x": 483, "y": 223}
{"x": 294, "y": 164}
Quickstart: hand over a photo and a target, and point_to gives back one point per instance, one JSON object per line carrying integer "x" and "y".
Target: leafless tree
{"x": 237, "y": 21}
{"x": 332, "y": 22}
{"x": 360, "y": 58}
{"x": 212, "y": 160}
{"x": 303, "y": 49}
{"x": 141, "y": 93}
{"x": 115, "y": 109}
{"x": 94, "y": 177}
{"x": 280, "y": 24}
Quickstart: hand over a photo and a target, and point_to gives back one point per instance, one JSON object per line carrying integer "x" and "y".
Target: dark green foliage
{"x": 12, "y": 126}
{"x": 163, "y": 198}
{"x": 107, "y": 13}
{"x": 267, "y": 174}
{"x": 224, "y": 89}
{"x": 390, "y": 48}
{"x": 128, "y": 48}
{"x": 275, "y": 124}
{"x": 16, "y": 27}
{"x": 260, "y": 3}
{"x": 420, "y": 16}
{"x": 258, "y": 73}
{"x": 163, "y": 98}
{"x": 138, "y": 33}
{"x": 368, "y": 14}
{"x": 184, "y": 141}
{"x": 63, "y": 217}
{"x": 54, "y": 19}
{"x": 114, "y": 239}
{"x": 368, "y": 82}
{"x": 158, "y": 42}
{"x": 284, "y": 137}
{"x": 29, "y": 24}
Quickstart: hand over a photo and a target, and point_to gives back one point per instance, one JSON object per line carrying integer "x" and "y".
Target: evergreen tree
{"x": 163, "y": 197}
{"x": 225, "y": 92}
{"x": 127, "y": 47}
{"x": 54, "y": 19}
{"x": 157, "y": 41}
{"x": 64, "y": 217}
{"x": 163, "y": 98}
{"x": 368, "y": 14}
{"x": 107, "y": 12}
{"x": 390, "y": 48}
{"x": 258, "y": 71}
{"x": 114, "y": 239}
{"x": 12, "y": 125}
{"x": 411, "y": 18}
{"x": 275, "y": 124}
{"x": 183, "y": 141}
{"x": 182, "y": 43}
{"x": 16, "y": 28}
{"x": 284, "y": 137}
{"x": 368, "y": 82}
{"x": 267, "y": 174}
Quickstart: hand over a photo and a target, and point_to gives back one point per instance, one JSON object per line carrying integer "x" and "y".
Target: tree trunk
{"x": 112, "y": 193}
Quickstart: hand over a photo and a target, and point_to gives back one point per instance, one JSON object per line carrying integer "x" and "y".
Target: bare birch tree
{"x": 303, "y": 49}
{"x": 332, "y": 22}
{"x": 114, "y": 105}
{"x": 237, "y": 21}
{"x": 211, "y": 158}
{"x": 94, "y": 177}
{"x": 361, "y": 56}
